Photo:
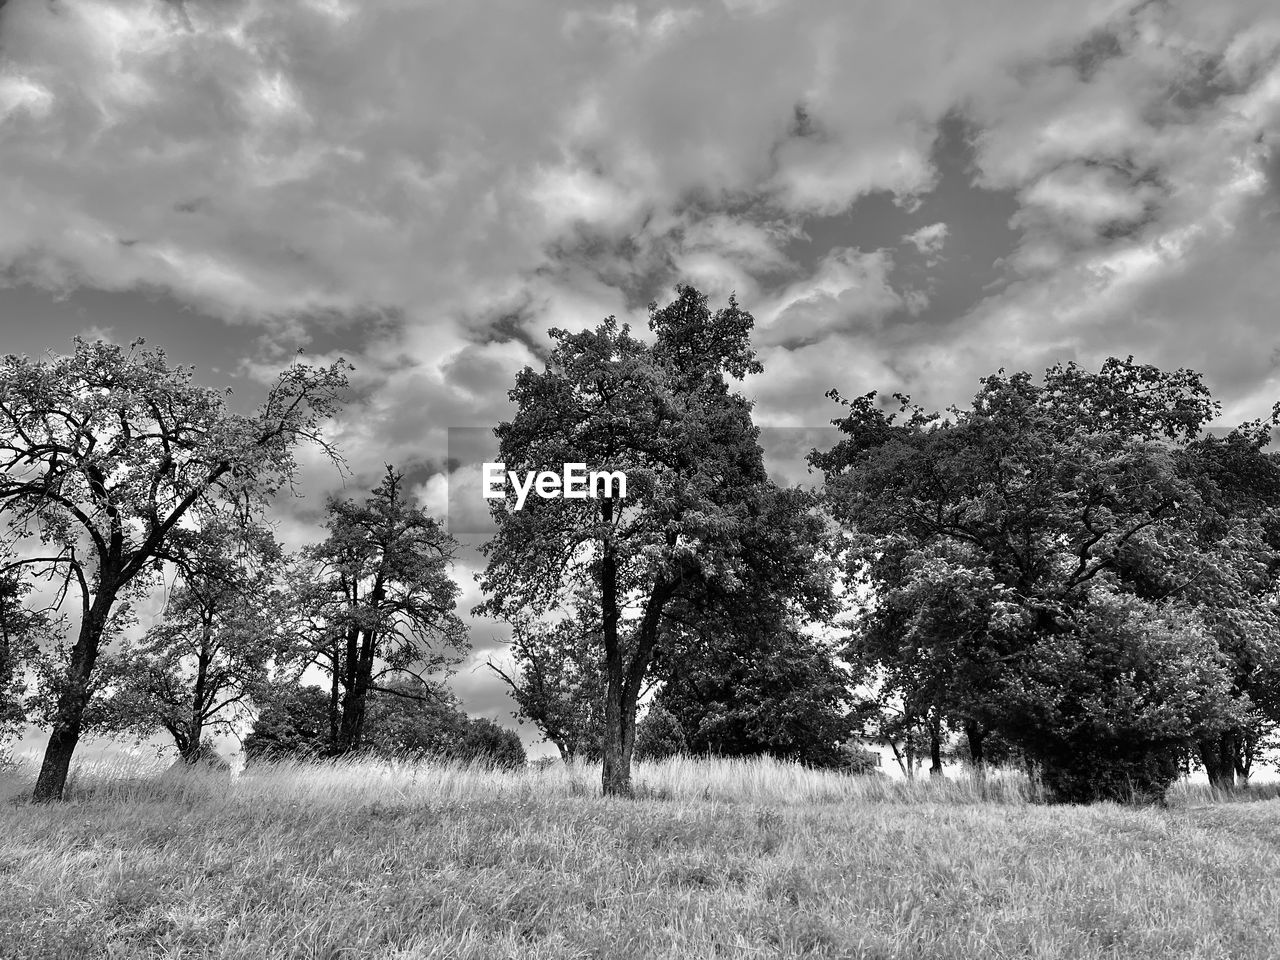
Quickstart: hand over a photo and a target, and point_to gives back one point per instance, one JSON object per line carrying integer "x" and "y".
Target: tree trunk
{"x": 616, "y": 774}
{"x": 195, "y": 724}
{"x": 976, "y": 737}
{"x": 355, "y": 703}
{"x": 935, "y": 749}
{"x": 1244, "y": 749}
{"x": 68, "y": 716}
{"x": 897, "y": 755}
{"x": 334, "y": 694}
{"x": 1218, "y": 757}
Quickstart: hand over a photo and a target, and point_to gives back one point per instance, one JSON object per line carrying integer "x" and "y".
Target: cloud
{"x": 426, "y": 188}
{"x": 848, "y": 292}
{"x": 928, "y": 240}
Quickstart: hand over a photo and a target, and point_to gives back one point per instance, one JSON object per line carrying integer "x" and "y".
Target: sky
{"x": 906, "y": 196}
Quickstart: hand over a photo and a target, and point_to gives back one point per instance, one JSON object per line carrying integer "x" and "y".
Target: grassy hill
{"x": 717, "y": 859}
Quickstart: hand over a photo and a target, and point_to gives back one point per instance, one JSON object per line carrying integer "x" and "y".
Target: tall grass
{"x": 757, "y": 780}
{"x": 727, "y": 859}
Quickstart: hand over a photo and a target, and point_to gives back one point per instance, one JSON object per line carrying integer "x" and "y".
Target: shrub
{"x": 1106, "y": 708}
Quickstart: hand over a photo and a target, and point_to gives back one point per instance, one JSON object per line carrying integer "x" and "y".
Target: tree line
{"x": 1073, "y": 573}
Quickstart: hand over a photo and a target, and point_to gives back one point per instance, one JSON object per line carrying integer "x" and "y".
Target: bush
{"x": 856, "y": 759}
{"x": 1106, "y": 708}
{"x": 420, "y": 723}
{"x": 485, "y": 742}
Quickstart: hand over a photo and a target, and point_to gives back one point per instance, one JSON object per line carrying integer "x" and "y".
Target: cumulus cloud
{"x": 427, "y": 187}
{"x": 928, "y": 240}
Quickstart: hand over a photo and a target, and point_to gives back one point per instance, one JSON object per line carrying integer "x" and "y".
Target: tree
{"x": 1107, "y": 707}
{"x": 741, "y": 669}
{"x": 107, "y": 456}
{"x": 664, "y": 415}
{"x": 217, "y": 646}
{"x": 987, "y": 541}
{"x": 292, "y": 722}
{"x": 659, "y": 735}
{"x": 558, "y": 682}
{"x": 930, "y": 641}
{"x": 381, "y": 599}
{"x": 484, "y": 742}
{"x": 773, "y": 690}
{"x": 1225, "y": 567}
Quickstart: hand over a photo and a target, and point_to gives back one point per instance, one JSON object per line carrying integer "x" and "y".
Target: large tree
{"x": 1041, "y": 499}
{"x": 662, "y": 413}
{"x": 107, "y": 456}
{"x": 380, "y": 601}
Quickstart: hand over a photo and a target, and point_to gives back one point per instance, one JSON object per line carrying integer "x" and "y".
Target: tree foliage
{"x": 21, "y": 633}
{"x": 659, "y": 735}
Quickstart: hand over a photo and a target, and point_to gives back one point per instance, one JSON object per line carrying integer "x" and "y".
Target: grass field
{"x": 716, "y": 859}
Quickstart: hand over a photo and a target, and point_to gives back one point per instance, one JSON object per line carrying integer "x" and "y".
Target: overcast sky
{"x": 906, "y": 195}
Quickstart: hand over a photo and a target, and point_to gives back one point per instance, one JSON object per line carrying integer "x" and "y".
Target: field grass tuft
{"x": 714, "y": 859}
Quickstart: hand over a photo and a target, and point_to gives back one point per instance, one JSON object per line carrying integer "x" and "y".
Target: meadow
{"x": 713, "y": 859}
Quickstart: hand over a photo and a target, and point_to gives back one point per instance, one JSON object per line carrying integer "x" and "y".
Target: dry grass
{"x": 726, "y": 859}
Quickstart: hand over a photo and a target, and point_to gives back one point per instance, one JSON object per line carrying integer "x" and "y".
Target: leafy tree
{"x": 663, "y": 414}
{"x": 411, "y": 719}
{"x": 292, "y": 722}
{"x": 106, "y": 457}
{"x": 381, "y": 600}
{"x": 659, "y": 735}
{"x": 739, "y": 670}
{"x": 558, "y": 682}
{"x": 858, "y": 760}
{"x": 1225, "y": 566}
{"x": 773, "y": 690}
{"x": 218, "y": 644}
{"x": 1106, "y": 706}
{"x": 931, "y": 641}
{"x": 986, "y": 539}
